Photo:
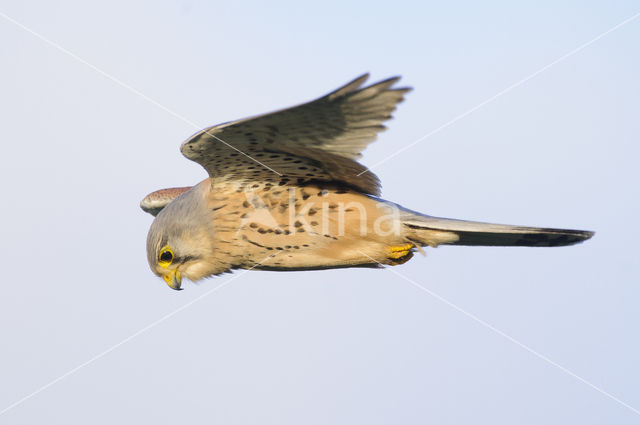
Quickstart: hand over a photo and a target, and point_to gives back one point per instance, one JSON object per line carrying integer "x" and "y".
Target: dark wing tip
{"x": 403, "y": 89}
{"x": 351, "y": 86}
{"x": 356, "y": 86}
{"x": 551, "y": 237}
{"x": 524, "y": 236}
{"x": 390, "y": 80}
{"x": 567, "y": 236}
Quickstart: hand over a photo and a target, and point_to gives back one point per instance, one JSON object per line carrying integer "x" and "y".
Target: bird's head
{"x": 180, "y": 240}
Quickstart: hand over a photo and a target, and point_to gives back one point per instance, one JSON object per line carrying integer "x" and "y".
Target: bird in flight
{"x": 285, "y": 192}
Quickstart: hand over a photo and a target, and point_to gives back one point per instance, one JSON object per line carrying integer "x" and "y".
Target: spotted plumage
{"x": 285, "y": 192}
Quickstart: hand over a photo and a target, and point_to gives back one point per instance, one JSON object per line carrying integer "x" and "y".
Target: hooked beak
{"x": 173, "y": 279}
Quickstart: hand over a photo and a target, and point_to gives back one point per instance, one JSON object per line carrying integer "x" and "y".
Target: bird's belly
{"x": 315, "y": 228}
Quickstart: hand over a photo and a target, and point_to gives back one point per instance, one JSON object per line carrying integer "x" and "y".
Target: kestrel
{"x": 285, "y": 192}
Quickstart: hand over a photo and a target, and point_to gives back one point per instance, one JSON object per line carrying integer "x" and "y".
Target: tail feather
{"x": 435, "y": 231}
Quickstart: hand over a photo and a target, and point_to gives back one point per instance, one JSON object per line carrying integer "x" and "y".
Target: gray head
{"x": 179, "y": 243}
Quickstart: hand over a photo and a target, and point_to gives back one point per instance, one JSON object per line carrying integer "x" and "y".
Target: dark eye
{"x": 166, "y": 256}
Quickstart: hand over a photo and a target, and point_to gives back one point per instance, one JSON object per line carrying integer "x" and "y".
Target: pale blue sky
{"x": 333, "y": 347}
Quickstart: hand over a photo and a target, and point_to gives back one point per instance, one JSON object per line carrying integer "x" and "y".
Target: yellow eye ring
{"x": 165, "y": 257}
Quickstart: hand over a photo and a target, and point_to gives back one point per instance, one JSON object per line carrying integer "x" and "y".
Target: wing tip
{"x": 569, "y": 237}
{"x": 549, "y": 237}
{"x": 356, "y": 85}
{"x": 154, "y": 202}
{"x": 350, "y": 87}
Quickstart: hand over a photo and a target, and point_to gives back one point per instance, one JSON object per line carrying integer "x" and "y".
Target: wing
{"x": 315, "y": 141}
{"x": 154, "y": 202}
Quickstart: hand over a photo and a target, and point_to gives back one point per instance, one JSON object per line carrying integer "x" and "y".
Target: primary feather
{"x": 315, "y": 141}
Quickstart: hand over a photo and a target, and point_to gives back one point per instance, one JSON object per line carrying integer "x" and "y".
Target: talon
{"x": 400, "y": 254}
{"x": 400, "y": 251}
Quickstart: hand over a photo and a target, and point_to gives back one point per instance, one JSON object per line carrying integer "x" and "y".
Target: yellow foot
{"x": 400, "y": 254}
{"x": 400, "y": 251}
